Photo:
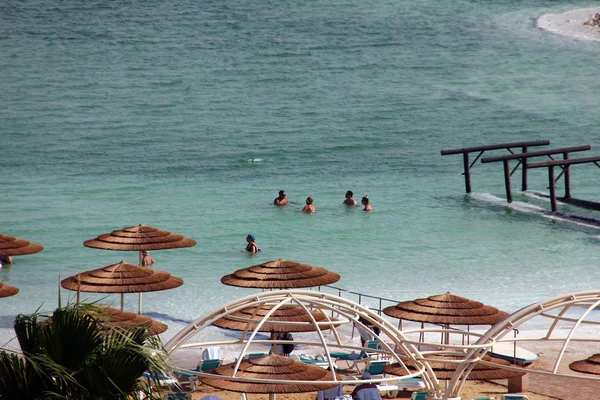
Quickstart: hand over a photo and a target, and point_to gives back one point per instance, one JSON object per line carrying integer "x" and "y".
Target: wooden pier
{"x": 523, "y": 162}
{"x": 524, "y": 146}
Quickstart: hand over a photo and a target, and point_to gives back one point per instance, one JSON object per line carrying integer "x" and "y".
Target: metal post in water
{"x": 552, "y": 188}
{"x": 509, "y": 197}
{"x": 467, "y": 172}
{"x": 567, "y": 176}
{"x": 524, "y": 167}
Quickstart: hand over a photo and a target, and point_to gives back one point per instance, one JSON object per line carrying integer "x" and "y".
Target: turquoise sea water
{"x": 190, "y": 116}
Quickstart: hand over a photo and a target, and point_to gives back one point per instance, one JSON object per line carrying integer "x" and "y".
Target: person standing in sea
{"x": 365, "y": 202}
{"x": 309, "y": 207}
{"x": 349, "y": 201}
{"x": 281, "y": 200}
{"x": 252, "y": 247}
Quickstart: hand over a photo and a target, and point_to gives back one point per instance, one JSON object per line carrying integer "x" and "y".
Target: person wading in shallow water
{"x": 365, "y": 202}
{"x": 252, "y": 247}
{"x": 309, "y": 207}
{"x": 349, "y": 200}
{"x": 281, "y": 200}
{"x": 146, "y": 259}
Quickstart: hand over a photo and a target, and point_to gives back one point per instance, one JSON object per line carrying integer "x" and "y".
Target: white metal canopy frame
{"x": 326, "y": 336}
{"x": 562, "y": 319}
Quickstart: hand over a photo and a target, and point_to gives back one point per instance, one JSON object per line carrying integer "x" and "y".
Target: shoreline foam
{"x": 570, "y": 24}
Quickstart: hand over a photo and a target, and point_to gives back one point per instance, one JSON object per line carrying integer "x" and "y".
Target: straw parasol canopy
{"x": 121, "y": 278}
{"x": 446, "y": 309}
{"x": 287, "y": 318}
{"x": 280, "y": 274}
{"x": 270, "y": 367}
{"x": 444, "y": 369}
{"x": 112, "y": 318}
{"x": 139, "y": 238}
{"x": 7, "y": 290}
{"x": 591, "y": 365}
{"x": 12, "y": 246}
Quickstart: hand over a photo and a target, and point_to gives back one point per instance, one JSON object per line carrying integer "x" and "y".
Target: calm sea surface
{"x": 190, "y": 115}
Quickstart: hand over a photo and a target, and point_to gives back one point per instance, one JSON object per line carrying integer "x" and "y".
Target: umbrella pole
{"x": 271, "y": 396}
{"x": 122, "y": 300}
{"x": 140, "y": 293}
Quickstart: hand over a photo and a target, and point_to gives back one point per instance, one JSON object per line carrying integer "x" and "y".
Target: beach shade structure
{"x": 139, "y": 238}
{"x": 287, "y": 372}
{"x": 112, "y": 318}
{"x": 12, "y": 246}
{"x": 287, "y": 318}
{"x": 121, "y": 278}
{"x": 280, "y": 274}
{"x": 446, "y": 309}
{"x": 591, "y": 365}
{"x": 7, "y": 290}
{"x": 444, "y": 368}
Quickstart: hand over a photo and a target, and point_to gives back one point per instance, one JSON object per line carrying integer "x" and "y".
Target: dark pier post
{"x": 509, "y": 197}
{"x": 552, "y": 188}
{"x": 567, "y": 177}
{"x": 524, "y": 170}
{"x": 467, "y": 172}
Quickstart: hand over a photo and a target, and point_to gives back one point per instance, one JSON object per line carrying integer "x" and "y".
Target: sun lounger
{"x": 419, "y": 396}
{"x": 318, "y": 360}
{"x": 514, "y": 396}
{"x": 411, "y": 383}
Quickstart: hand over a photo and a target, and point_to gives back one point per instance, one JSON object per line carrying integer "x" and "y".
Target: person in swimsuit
{"x": 309, "y": 207}
{"x": 6, "y": 260}
{"x": 365, "y": 202}
{"x": 281, "y": 200}
{"x": 252, "y": 247}
{"x": 349, "y": 200}
{"x": 146, "y": 259}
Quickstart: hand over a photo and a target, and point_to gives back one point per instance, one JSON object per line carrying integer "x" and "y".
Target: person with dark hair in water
{"x": 309, "y": 207}
{"x": 365, "y": 202}
{"x": 252, "y": 247}
{"x": 349, "y": 201}
{"x": 281, "y": 200}
{"x": 6, "y": 260}
{"x": 147, "y": 260}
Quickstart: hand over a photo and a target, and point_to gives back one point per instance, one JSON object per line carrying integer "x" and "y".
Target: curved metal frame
{"x": 345, "y": 311}
{"x": 497, "y": 333}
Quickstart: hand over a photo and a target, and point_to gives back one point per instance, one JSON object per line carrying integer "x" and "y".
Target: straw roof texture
{"x": 591, "y": 365}
{"x": 446, "y": 309}
{"x": 12, "y": 246}
{"x": 444, "y": 370}
{"x": 280, "y": 274}
{"x": 139, "y": 238}
{"x": 279, "y": 321}
{"x": 270, "y": 367}
{"x": 113, "y": 318}
{"x": 121, "y": 278}
{"x": 7, "y": 290}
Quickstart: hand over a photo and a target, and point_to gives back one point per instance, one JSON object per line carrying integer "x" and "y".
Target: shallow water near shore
{"x": 191, "y": 116}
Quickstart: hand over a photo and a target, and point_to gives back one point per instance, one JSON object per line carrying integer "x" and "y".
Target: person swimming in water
{"x": 365, "y": 202}
{"x": 147, "y": 260}
{"x": 252, "y": 247}
{"x": 309, "y": 207}
{"x": 349, "y": 201}
{"x": 281, "y": 200}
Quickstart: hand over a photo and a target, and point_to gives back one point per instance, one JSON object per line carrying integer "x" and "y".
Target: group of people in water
{"x": 282, "y": 200}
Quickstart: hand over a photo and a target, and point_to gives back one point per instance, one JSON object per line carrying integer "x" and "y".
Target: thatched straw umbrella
{"x": 12, "y": 246}
{"x": 121, "y": 278}
{"x": 591, "y": 365}
{"x": 280, "y": 274}
{"x": 7, "y": 290}
{"x": 269, "y": 368}
{"x": 446, "y": 309}
{"x": 111, "y": 318}
{"x": 444, "y": 369}
{"x": 287, "y": 318}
